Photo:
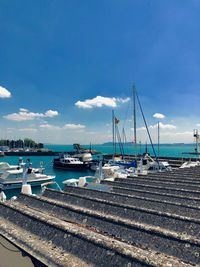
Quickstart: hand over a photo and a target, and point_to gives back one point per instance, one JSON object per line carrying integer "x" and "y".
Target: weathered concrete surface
{"x": 156, "y": 188}
{"x": 164, "y": 178}
{"x": 11, "y": 255}
{"x": 78, "y": 245}
{"x": 138, "y": 198}
{"x": 188, "y": 200}
{"x": 149, "y": 220}
{"x": 127, "y": 196}
{"x": 174, "y": 185}
{"x": 137, "y": 202}
{"x": 177, "y": 244}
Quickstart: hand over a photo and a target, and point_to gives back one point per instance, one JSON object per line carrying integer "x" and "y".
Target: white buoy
{"x": 26, "y": 189}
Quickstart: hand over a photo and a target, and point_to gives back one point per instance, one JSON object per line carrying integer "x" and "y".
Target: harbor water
{"x": 173, "y": 150}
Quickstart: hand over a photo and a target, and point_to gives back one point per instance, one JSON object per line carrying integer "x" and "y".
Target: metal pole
{"x": 154, "y": 152}
{"x": 113, "y": 133}
{"x": 158, "y": 138}
{"x": 134, "y": 115}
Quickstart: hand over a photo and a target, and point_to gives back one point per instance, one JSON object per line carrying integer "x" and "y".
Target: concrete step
{"x": 165, "y": 241}
{"x": 71, "y": 244}
{"x": 134, "y": 211}
{"x": 179, "y": 176}
{"x": 174, "y": 185}
{"x": 155, "y": 188}
{"x": 128, "y": 196}
{"x": 163, "y": 177}
{"x": 194, "y": 201}
{"x": 32, "y": 244}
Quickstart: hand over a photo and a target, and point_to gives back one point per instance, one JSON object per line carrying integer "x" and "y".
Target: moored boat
{"x": 67, "y": 162}
{"x": 13, "y": 179}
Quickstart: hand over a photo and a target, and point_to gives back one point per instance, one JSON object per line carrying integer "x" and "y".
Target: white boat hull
{"x": 17, "y": 184}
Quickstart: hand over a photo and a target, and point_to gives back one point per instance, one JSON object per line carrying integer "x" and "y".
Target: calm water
{"x": 61, "y": 175}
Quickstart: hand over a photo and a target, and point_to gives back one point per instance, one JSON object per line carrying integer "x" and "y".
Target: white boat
{"x": 68, "y": 162}
{"x": 149, "y": 165}
{"x": 189, "y": 164}
{"x": 13, "y": 179}
{"x": 91, "y": 182}
{"x": 84, "y": 156}
{"x": 4, "y": 166}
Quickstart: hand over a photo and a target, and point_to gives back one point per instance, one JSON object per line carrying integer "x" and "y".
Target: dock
{"x": 151, "y": 220}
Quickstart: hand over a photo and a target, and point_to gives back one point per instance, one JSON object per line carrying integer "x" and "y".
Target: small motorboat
{"x": 13, "y": 179}
{"x": 67, "y": 162}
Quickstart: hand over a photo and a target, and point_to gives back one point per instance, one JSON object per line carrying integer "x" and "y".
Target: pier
{"x": 151, "y": 220}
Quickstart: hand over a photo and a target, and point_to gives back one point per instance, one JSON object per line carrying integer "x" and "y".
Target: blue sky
{"x": 57, "y": 54}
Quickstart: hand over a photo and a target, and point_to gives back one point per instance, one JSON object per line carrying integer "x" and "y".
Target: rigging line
{"x": 146, "y": 126}
{"x": 126, "y": 114}
{"x": 134, "y": 114}
{"x": 12, "y": 250}
{"x": 120, "y": 142}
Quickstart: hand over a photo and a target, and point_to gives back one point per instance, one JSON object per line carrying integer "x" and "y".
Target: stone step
{"x": 127, "y": 196}
{"x": 178, "y": 176}
{"x": 165, "y": 178}
{"x": 174, "y": 185}
{"x": 71, "y": 244}
{"x": 46, "y": 253}
{"x": 194, "y": 201}
{"x": 154, "y": 188}
{"x": 165, "y": 241}
{"x": 139, "y": 210}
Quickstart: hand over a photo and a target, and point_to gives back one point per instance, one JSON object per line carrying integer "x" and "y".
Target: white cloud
{"x": 179, "y": 134}
{"x": 66, "y": 126}
{"x": 28, "y": 130}
{"x": 155, "y": 126}
{"x": 51, "y": 113}
{"x": 50, "y": 127}
{"x": 162, "y": 126}
{"x": 140, "y": 129}
{"x": 198, "y": 124}
{"x": 123, "y": 100}
{"x": 73, "y": 126}
{"x": 4, "y": 93}
{"x": 23, "y": 110}
{"x": 100, "y": 101}
{"x": 26, "y": 115}
{"x": 159, "y": 116}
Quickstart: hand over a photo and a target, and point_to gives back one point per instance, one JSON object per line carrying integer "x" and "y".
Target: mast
{"x": 147, "y": 128}
{"x": 196, "y": 136}
{"x": 158, "y": 138}
{"x": 134, "y": 114}
{"x": 113, "y": 134}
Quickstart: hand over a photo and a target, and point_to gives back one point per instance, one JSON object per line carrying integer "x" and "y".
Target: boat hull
{"x": 75, "y": 167}
{"x": 18, "y": 184}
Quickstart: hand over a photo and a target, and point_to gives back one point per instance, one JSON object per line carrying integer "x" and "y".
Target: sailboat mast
{"x": 134, "y": 115}
{"x": 146, "y": 127}
{"x": 113, "y": 134}
{"x": 158, "y": 138}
